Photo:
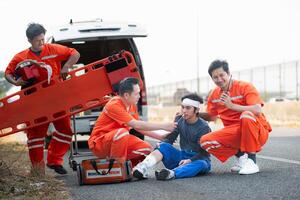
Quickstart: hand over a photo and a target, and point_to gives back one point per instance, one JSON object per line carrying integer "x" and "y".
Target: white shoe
{"x": 239, "y": 162}
{"x": 249, "y": 167}
{"x": 140, "y": 171}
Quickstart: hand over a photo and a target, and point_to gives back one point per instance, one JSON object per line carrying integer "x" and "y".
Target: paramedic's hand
{"x": 184, "y": 162}
{"x": 225, "y": 98}
{"x": 20, "y": 82}
{"x": 64, "y": 73}
{"x": 170, "y": 126}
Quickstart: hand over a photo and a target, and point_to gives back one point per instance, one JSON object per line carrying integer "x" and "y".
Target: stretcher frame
{"x": 85, "y": 88}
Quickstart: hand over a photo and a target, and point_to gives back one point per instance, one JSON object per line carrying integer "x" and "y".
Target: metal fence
{"x": 274, "y": 81}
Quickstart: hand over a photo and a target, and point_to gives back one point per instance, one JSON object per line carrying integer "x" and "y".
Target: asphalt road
{"x": 279, "y": 178}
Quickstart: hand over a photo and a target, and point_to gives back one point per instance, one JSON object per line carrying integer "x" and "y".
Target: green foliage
{"x": 4, "y": 85}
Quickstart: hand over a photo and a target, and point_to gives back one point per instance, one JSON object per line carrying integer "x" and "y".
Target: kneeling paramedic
{"x": 110, "y": 137}
{"x": 246, "y": 129}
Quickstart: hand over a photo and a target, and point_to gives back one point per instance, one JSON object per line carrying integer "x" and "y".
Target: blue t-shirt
{"x": 190, "y": 135}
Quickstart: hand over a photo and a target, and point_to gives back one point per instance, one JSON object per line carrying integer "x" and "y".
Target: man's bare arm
{"x": 148, "y": 126}
{"x": 206, "y": 116}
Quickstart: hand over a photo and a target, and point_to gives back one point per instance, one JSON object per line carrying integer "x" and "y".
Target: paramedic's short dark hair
{"x": 193, "y": 96}
{"x": 218, "y": 64}
{"x": 34, "y": 29}
{"x": 126, "y": 85}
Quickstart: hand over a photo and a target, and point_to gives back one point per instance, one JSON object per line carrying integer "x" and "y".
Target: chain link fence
{"x": 275, "y": 82}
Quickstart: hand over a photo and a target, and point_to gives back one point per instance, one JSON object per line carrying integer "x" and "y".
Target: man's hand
{"x": 64, "y": 73}
{"x": 184, "y": 162}
{"x": 225, "y": 98}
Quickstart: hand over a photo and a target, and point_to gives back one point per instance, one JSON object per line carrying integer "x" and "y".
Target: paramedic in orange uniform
{"x": 246, "y": 129}
{"x": 110, "y": 137}
{"x": 42, "y": 54}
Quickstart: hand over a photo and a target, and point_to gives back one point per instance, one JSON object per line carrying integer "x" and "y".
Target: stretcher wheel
{"x": 74, "y": 165}
{"x": 79, "y": 175}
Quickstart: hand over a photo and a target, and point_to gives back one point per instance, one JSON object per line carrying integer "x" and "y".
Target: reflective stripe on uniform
{"x": 63, "y": 135}
{"x": 140, "y": 151}
{"x": 248, "y": 117}
{"x": 209, "y": 142}
{"x": 36, "y": 146}
{"x": 117, "y": 136}
{"x": 212, "y": 147}
{"x": 35, "y": 140}
{"x": 61, "y": 140}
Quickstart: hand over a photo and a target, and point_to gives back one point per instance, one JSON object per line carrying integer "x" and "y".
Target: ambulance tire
{"x": 79, "y": 175}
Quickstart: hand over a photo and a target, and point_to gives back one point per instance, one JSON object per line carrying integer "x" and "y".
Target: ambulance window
{"x": 91, "y": 51}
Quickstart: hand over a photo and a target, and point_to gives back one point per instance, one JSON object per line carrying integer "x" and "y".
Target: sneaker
{"x": 249, "y": 167}
{"x": 239, "y": 162}
{"x": 140, "y": 171}
{"x": 164, "y": 174}
{"x": 58, "y": 169}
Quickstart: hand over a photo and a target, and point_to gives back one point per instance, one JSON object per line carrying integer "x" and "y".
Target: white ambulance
{"x": 94, "y": 40}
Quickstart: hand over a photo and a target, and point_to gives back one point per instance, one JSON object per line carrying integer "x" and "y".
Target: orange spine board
{"x": 86, "y": 88}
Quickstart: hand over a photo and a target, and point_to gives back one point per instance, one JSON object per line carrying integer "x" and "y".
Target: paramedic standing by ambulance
{"x": 246, "y": 129}
{"x": 110, "y": 137}
{"x": 52, "y": 55}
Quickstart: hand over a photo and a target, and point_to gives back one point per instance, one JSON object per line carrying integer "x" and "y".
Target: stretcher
{"x": 85, "y": 88}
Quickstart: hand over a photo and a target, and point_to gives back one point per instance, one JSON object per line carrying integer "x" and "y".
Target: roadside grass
{"x": 16, "y": 181}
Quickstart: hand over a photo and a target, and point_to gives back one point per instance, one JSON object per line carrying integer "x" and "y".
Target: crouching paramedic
{"x": 191, "y": 160}
{"x": 110, "y": 137}
{"x": 48, "y": 56}
{"x": 246, "y": 129}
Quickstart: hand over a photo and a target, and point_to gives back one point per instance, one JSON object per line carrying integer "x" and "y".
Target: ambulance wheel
{"x": 79, "y": 175}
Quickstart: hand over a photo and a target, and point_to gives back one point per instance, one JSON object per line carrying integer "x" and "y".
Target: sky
{"x": 184, "y": 37}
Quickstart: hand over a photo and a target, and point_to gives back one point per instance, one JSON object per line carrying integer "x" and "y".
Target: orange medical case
{"x": 99, "y": 171}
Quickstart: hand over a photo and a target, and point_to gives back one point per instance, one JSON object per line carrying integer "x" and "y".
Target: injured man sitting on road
{"x": 191, "y": 160}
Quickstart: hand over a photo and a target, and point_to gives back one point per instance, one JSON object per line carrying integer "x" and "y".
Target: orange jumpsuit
{"x": 53, "y": 55}
{"x": 242, "y": 131}
{"x": 110, "y": 137}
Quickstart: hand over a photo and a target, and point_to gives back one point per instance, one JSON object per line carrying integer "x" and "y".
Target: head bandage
{"x": 190, "y": 102}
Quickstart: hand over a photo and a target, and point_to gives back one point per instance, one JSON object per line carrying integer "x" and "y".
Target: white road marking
{"x": 259, "y": 156}
{"x": 279, "y": 159}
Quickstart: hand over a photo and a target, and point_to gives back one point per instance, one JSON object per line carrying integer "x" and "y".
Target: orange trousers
{"x": 59, "y": 144}
{"x": 120, "y": 144}
{"x": 249, "y": 136}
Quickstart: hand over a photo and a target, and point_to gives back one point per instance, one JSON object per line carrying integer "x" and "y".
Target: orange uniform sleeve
{"x": 10, "y": 69}
{"x": 251, "y": 95}
{"x": 63, "y": 52}
{"x": 211, "y": 107}
{"x": 117, "y": 112}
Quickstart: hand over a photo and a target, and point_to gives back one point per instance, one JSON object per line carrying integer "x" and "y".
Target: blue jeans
{"x": 172, "y": 157}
